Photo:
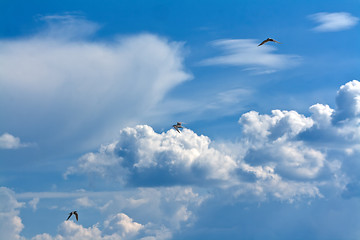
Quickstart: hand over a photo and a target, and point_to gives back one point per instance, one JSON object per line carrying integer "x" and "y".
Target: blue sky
{"x": 89, "y": 92}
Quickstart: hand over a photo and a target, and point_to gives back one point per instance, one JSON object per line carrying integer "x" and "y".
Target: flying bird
{"x": 177, "y": 126}
{"x": 268, "y": 40}
{"x": 76, "y": 215}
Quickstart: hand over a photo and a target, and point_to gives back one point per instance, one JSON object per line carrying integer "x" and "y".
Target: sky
{"x": 89, "y": 91}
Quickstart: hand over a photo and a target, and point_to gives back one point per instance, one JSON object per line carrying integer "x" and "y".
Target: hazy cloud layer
{"x": 63, "y": 80}
{"x": 331, "y": 22}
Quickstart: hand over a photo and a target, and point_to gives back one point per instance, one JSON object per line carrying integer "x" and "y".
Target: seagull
{"x": 177, "y": 126}
{"x": 76, "y": 215}
{"x": 268, "y": 40}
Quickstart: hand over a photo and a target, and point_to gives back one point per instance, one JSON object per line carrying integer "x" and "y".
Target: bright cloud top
{"x": 69, "y": 82}
{"x": 331, "y": 22}
{"x": 8, "y": 141}
{"x": 245, "y": 52}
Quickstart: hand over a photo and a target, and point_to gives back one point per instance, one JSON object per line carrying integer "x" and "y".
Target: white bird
{"x": 76, "y": 215}
{"x": 268, "y": 40}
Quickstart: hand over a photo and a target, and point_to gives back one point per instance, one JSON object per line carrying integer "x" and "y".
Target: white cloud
{"x": 71, "y": 231}
{"x": 159, "y": 212}
{"x": 285, "y": 155}
{"x": 348, "y": 101}
{"x": 280, "y": 156}
{"x": 85, "y": 202}
{"x": 123, "y": 224}
{"x": 246, "y": 53}
{"x": 70, "y": 83}
{"x": 10, "y": 222}
{"x": 331, "y": 22}
{"x": 34, "y": 202}
{"x": 151, "y": 213}
{"x": 8, "y": 141}
{"x": 144, "y": 157}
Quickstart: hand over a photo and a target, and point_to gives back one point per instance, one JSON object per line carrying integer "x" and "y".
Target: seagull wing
{"x": 176, "y": 127}
{"x": 276, "y": 41}
{"x": 265, "y": 41}
{"x": 77, "y": 216}
{"x": 69, "y": 216}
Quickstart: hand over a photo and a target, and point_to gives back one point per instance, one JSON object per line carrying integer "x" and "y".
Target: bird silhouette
{"x": 76, "y": 215}
{"x": 268, "y": 40}
{"x": 177, "y": 126}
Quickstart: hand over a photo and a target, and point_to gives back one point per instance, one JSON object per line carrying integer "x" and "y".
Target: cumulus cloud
{"x": 246, "y": 53}
{"x": 168, "y": 175}
{"x": 285, "y": 154}
{"x": 151, "y": 213}
{"x": 348, "y": 102}
{"x": 70, "y": 82}
{"x": 10, "y": 222}
{"x": 146, "y": 158}
{"x": 140, "y": 213}
{"x": 8, "y": 141}
{"x": 124, "y": 224}
{"x": 121, "y": 226}
{"x": 331, "y": 22}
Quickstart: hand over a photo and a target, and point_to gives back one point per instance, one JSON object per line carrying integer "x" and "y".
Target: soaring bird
{"x": 76, "y": 215}
{"x": 268, "y": 40}
{"x": 177, "y": 126}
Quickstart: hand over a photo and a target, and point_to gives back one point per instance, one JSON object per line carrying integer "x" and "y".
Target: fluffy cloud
{"x": 8, "y": 141}
{"x": 142, "y": 157}
{"x": 68, "y": 81}
{"x": 159, "y": 212}
{"x": 331, "y": 22}
{"x": 122, "y": 223}
{"x": 146, "y": 158}
{"x": 245, "y": 52}
{"x": 285, "y": 155}
{"x": 71, "y": 231}
{"x": 10, "y": 222}
{"x": 140, "y": 213}
{"x": 348, "y": 102}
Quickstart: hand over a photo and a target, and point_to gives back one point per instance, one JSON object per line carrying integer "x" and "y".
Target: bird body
{"x": 268, "y": 40}
{"x": 76, "y": 215}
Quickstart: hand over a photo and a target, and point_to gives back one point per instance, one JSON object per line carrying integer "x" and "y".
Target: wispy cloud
{"x": 331, "y": 22}
{"x": 34, "y": 202}
{"x": 246, "y": 53}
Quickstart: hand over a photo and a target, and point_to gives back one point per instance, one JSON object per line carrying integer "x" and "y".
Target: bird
{"x": 268, "y": 40}
{"x": 76, "y": 215}
{"x": 177, "y": 126}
